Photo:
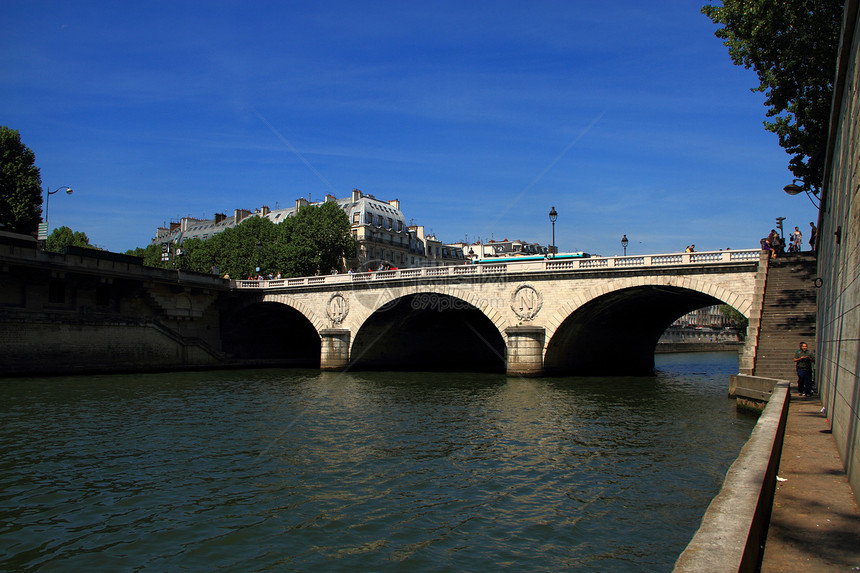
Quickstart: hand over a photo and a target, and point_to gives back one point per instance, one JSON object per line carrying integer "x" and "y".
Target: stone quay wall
{"x": 92, "y": 311}
{"x": 838, "y": 346}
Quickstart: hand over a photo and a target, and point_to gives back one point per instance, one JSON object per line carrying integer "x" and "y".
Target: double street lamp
{"x": 552, "y": 217}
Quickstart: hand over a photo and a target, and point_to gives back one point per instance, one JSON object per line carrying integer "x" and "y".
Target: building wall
{"x": 379, "y": 228}
{"x": 838, "y": 348}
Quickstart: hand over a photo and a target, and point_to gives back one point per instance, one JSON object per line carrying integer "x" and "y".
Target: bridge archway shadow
{"x": 272, "y": 332}
{"x": 617, "y": 333}
{"x": 429, "y": 332}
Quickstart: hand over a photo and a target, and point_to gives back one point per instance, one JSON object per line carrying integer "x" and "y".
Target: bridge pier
{"x": 334, "y": 348}
{"x": 525, "y": 350}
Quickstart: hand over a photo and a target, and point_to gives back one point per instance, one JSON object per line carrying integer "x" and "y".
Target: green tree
{"x": 317, "y": 238}
{"x": 64, "y": 237}
{"x": 151, "y": 254}
{"x": 792, "y": 46}
{"x": 239, "y": 250}
{"x": 20, "y": 185}
{"x": 738, "y": 320}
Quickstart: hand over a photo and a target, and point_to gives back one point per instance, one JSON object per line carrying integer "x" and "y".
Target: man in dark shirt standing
{"x": 803, "y": 360}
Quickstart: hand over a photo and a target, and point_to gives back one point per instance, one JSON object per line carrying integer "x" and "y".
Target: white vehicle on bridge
{"x": 527, "y": 258}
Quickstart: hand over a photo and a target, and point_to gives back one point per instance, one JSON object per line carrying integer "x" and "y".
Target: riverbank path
{"x": 815, "y": 525}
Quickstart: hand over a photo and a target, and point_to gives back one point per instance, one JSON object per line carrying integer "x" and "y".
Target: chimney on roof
{"x": 264, "y": 210}
{"x": 219, "y": 217}
{"x": 330, "y": 197}
{"x": 395, "y": 203}
{"x": 356, "y": 195}
{"x": 301, "y": 202}
{"x": 174, "y": 226}
{"x": 240, "y": 214}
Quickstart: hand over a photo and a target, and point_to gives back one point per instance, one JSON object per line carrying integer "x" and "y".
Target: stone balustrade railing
{"x": 548, "y": 265}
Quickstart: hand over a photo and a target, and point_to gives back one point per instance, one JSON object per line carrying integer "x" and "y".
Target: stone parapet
{"x": 733, "y": 530}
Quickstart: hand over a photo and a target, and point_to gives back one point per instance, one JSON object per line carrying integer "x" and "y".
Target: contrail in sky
{"x": 294, "y": 150}
{"x": 546, "y": 169}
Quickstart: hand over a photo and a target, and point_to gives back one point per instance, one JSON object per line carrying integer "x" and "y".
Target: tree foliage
{"x": 20, "y": 185}
{"x": 315, "y": 239}
{"x": 65, "y": 237}
{"x": 792, "y": 46}
{"x": 738, "y": 320}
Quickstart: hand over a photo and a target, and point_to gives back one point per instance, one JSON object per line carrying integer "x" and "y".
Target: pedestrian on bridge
{"x": 813, "y": 236}
{"x": 796, "y": 241}
{"x": 803, "y": 360}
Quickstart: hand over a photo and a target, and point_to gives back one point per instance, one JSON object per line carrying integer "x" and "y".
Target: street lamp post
{"x": 624, "y": 243}
{"x": 259, "y": 249}
{"x": 794, "y": 189}
{"x": 48, "y": 193}
{"x": 553, "y": 215}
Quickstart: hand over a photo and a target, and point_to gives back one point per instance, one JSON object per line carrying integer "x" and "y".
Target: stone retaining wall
{"x": 734, "y": 528}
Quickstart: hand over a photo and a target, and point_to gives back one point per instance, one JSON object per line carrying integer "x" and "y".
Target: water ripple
{"x": 299, "y": 470}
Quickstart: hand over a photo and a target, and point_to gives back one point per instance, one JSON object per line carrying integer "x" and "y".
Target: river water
{"x": 300, "y": 470}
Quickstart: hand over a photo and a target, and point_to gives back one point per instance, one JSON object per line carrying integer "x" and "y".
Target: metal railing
{"x": 549, "y": 265}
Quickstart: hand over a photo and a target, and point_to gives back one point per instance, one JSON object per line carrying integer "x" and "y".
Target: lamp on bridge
{"x": 624, "y": 243}
{"x": 259, "y": 248}
{"x": 553, "y": 215}
{"x": 794, "y": 189}
{"x": 43, "y": 227}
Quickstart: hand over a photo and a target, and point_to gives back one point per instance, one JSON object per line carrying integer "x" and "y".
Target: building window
{"x": 368, "y": 218}
{"x": 379, "y": 220}
{"x": 399, "y": 226}
{"x": 356, "y": 218}
{"x": 390, "y": 222}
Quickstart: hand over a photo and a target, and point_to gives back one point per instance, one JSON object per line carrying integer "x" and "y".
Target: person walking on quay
{"x": 813, "y": 235}
{"x": 803, "y": 360}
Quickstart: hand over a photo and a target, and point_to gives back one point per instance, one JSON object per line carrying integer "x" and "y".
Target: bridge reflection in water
{"x": 574, "y": 316}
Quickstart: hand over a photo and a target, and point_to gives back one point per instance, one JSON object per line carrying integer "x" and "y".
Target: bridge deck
{"x": 668, "y": 260}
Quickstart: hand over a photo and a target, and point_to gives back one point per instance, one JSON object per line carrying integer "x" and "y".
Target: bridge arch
{"x": 429, "y": 329}
{"x": 486, "y": 303}
{"x": 614, "y": 328}
{"x": 274, "y": 328}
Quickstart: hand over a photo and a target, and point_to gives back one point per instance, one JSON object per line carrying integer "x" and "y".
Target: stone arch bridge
{"x": 554, "y": 316}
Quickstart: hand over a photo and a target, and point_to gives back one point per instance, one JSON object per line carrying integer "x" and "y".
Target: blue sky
{"x": 627, "y": 116}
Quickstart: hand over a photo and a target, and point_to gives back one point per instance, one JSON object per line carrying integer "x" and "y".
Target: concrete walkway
{"x": 815, "y": 525}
